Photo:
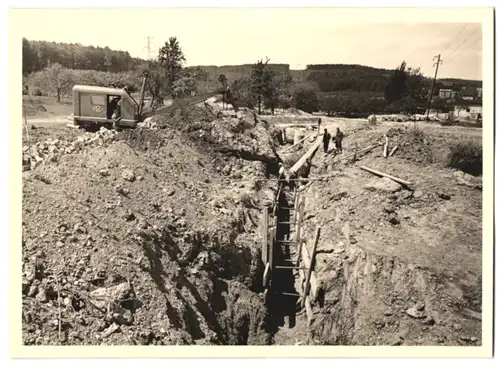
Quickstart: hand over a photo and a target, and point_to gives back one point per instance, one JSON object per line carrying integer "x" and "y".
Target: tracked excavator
{"x": 116, "y": 108}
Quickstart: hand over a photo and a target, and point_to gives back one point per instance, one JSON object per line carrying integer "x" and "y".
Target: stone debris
{"x": 52, "y": 149}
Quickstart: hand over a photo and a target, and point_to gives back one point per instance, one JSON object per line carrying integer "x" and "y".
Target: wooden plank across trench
{"x": 312, "y": 150}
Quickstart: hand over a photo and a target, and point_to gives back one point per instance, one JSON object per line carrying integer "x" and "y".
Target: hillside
{"x": 37, "y": 55}
{"x": 329, "y": 80}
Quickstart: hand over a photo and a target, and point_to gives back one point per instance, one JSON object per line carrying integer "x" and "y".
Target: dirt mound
{"x": 148, "y": 238}
{"x": 185, "y": 118}
{"x": 413, "y": 144}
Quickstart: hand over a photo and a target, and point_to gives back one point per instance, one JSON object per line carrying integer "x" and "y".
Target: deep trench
{"x": 281, "y": 303}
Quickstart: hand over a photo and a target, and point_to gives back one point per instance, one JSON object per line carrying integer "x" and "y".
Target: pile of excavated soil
{"x": 148, "y": 239}
{"x": 409, "y": 272}
{"x": 413, "y": 145}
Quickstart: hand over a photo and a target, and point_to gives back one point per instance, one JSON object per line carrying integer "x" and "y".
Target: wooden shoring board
{"x": 312, "y": 150}
{"x": 298, "y": 235}
{"x": 311, "y": 265}
{"x": 265, "y": 234}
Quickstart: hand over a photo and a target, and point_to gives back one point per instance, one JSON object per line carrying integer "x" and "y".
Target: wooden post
{"x": 266, "y": 275}
{"x": 386, "y": 146}
{"x": 393, "y": 150}
{"x": 311, "y": 266}
{"x": 381, "y": 174}
{"x": 298, "y": 235}
{"x": 271, "y": 248}
{"x": 265, "y": 233}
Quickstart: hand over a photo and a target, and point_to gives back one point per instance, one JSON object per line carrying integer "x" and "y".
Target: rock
{"x": 418, "y": 194}
{"x": 111, "y": 329}
{"x": 420, "y": 306}
{"x": 444, "y": 196}
{"x": 457, "y": 326}
{"x": 383, "y": 184}
{"x": 388, "y": 209}
{"x": 102, "y": 296}
{"x": 129, "y": 216}
{"x": 42, "y": 296}
{"x": 397, "y": 342}
{"x": 393, "y": 219}
{"x": 26, "y": 286}
{"x": 309, "y": 216}
{"x": 388, "y": 313}
{"x": 123, "y": 317}
{"x": 128, "y": 175}
{"x": 429, "y": 320}
{"x": 338, "y": 196}
{"x": 104, "y": 172}
{"x": 33, "y": 290}
{"x": 171, "y": 192}
{"x": 414, "y": 313}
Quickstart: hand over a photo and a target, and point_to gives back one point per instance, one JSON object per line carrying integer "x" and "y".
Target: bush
{"x": 467, "y": 156}
{"x": 306, "y": 100}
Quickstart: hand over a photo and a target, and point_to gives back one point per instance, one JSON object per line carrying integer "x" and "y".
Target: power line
{"x": 470, "y": 45}
{"x": 461, "y": 30}
{"x": 466, "y": 38}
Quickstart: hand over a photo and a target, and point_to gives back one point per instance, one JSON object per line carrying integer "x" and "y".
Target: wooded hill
{"x": 323, "y": 78}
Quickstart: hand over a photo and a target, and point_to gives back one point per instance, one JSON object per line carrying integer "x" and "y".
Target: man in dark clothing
{"x": 326, "y": 140}
{"x": 339, "y": 136}
{"x": 112, "y": 106}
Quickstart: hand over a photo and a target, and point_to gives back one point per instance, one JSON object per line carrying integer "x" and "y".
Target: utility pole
{"x": 439, "y": 61}
{"x": 148, "y": 46}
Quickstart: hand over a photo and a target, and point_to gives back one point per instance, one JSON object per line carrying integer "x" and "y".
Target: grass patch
{"x": 462, "y": 124}
{"x": 467, "y": 156}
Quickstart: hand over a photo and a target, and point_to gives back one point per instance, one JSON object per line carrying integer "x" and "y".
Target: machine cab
{"x": 95, "y": 105}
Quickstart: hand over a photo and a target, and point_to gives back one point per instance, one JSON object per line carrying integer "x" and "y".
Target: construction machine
{"x": 116, "y": 108}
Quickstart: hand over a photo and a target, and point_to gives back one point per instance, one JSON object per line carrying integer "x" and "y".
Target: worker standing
{"x": 281, "y": 171}
{"x": 339, "y": 136}
{"x": 319, "y": 125}
{"x": 326, "y": 140}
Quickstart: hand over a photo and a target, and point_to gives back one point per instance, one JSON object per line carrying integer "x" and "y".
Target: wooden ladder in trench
{"x": 295, "y": 239}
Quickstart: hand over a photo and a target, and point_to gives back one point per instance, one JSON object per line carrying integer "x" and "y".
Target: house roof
{"x": 99, "y": 90}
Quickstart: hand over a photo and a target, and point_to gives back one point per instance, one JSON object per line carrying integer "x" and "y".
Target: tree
{"x": 306, "y": 100}
{"x": 29, "y": 58}
{"x": 56, "y": 78}
{"x": 396, "y": 87}
{"x": 157, "y": 77}
{"x": 264, "y": 86}
{"x": 184, "y": 87}
{"x": 171, "y": 59}
{"x": 407, "y": 87}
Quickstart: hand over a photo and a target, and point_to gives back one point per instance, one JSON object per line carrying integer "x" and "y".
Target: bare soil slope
{"x": 410, "y": 271}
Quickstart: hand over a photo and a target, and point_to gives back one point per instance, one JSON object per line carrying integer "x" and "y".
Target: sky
{"x": 225, "y": 36}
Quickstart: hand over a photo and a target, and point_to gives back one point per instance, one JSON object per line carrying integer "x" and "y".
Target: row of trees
{"x": 38, "y": 55}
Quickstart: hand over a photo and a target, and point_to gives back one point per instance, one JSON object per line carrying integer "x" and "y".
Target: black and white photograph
{"x": 254, "y": 177}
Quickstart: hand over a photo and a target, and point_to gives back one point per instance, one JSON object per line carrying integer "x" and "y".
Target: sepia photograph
{"x": 268, "y": 177}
